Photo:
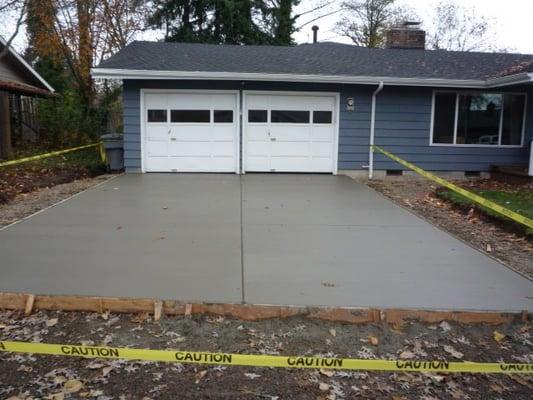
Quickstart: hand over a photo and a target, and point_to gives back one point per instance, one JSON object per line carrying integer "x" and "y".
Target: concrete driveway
{"x": 264, "y": 239}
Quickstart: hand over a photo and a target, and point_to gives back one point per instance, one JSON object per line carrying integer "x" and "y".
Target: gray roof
{"x": 315, "y": 59}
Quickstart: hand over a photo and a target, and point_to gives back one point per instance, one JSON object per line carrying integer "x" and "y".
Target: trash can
{"x": 114, "y": 150}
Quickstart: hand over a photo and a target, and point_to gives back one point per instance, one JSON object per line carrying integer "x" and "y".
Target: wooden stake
{"x": 29, "y": 304}
{"x": 158, "y": 308}
{"x": 188, "y": 309}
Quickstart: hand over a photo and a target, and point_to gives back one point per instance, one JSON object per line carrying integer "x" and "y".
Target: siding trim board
{"x": 406, "y": 135}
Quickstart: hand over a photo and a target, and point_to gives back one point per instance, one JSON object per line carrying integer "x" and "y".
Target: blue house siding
{"x": 403, "y": 127}
{"x": 403, "y": 123}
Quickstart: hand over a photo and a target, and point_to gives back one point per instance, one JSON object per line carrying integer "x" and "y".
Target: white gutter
{"x": 111, "y": 73}
{"x": 372, "y": 131}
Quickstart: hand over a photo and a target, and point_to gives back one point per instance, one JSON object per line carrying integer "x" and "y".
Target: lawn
{"x": 518, "y": 201}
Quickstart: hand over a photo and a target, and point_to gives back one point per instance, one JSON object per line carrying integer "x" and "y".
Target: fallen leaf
{"x": 327, "y": 372}
{"x": 52, "y": 322}
{"x": 489, "y": 248}
{"x": 406, "y": 355}
{"x": 498, "y": 337}
{"x": 106, "y": 370}
{"x": 323, "y": 387}
{"x": 373, "y": 340}
{"x": 72, "y": 386}
{"x": 200, "y": 375}
{"x": 453, "y": 352}
{"x": 252, "y": 375}
{"x": 446, "y": 327}
{"x": 333, "y": 332}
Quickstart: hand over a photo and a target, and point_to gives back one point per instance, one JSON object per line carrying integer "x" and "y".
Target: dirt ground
{"x": 27, "y": 203}
{"x": 498, "y": 240}
{"x": 55, "y": 377}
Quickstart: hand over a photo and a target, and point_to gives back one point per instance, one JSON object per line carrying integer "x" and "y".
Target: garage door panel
{"x": 291, "y": 133}
{"x": 257, "y": 102}
{"x": 288, "y": 149}
{"x": 321, "y": 133}
{"x": 191, "y": 141}
{"x": 159, "y": 163}
{"x": 318, "y": 149}
{"x": 258, "y": 149}
{"x": 157, "y": 149}
{"x": 223, "y": 149}
{"x": 257, "y": 132}
{"x": 157, "y": 132}
{"x": 258, "y": 163}
{"x": 287, "y": 146}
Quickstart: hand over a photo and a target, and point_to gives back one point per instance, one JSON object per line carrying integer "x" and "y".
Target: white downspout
{"x": 372, "y": 130}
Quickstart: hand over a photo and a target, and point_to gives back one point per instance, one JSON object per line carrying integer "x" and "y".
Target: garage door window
{"x": 223, "y": 116}
{"x": 289, "y": 117}
{"x": 188, "y": 116}
{"x": 157, "y": 115}
{"x": 321, "y": 117}
{"x": 258, "y": 116}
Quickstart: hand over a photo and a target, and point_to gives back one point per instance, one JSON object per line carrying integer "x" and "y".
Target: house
{"x": 317, "y": 107}
{"x": 19, "y": 82}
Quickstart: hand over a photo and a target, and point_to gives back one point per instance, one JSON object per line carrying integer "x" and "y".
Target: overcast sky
{"x": 513, "y": 20}
{"x": 513, "y": 24}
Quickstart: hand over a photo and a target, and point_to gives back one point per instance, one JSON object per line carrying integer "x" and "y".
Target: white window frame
{"x": 455, "y": 144}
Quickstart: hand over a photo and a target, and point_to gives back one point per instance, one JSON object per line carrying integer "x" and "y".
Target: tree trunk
{"x": 6, "y": 148}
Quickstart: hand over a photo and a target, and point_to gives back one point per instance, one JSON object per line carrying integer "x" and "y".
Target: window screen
{"x": 157, "y": 115}
{"x": 479, "y": 118}
{"x": 289, "y": 116}
{"x": 513, "y": 119}
{"x": 322, "y": 117}
{"x": 190, "y": 116}
{"x": 444, "y": 119}
{"x": 223, "y": 116}
{"x": 257, "y": 116}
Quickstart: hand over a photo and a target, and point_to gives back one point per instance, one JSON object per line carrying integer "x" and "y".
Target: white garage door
{"x": 190, "y": 132}
{"x": 290, "y": 133}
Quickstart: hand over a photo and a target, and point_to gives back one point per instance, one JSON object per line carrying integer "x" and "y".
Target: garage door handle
{"x": 272, "y": 139}
{"x": 173, "y": 139}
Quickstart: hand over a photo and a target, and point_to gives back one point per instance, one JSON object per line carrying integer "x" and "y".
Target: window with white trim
{"x": 478, "y": 119}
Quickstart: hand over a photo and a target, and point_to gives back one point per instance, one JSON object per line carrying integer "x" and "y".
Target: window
{"x": 322, "y": 117}
{"x": 157, "y": 115}
{"x": 444, "y": 118}
{"x": 223, "y": 116}
{"x": 190, "y": 116}
{"x": 257, "y": 116}
{"x": 478, "y": 118}
{"x": 513, "y": 119}
{"x": 290, "y": 117}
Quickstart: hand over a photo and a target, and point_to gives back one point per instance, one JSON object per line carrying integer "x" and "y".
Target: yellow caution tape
{"x": 263, "y": 360}
{"x": 465, "y": 193}
{"x": 56, "y": 153}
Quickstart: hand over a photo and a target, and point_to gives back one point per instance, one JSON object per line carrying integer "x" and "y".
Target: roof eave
{"x": 26, "y": 65}
{"x": 509, "y": 80}
{"x": 113, "y": 73}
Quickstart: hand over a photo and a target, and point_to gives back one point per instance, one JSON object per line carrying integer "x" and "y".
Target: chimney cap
{"x": 411, "y": 24}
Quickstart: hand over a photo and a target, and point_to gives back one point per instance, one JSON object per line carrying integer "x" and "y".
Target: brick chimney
{"x": 407, "y": 36}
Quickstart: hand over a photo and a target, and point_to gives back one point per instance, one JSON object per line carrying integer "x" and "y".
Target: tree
{"x": 462, "y": 29}
{"x": 366, "y": 21}
{"x": 226, "y": 21}
{"x": 18, "y": 8}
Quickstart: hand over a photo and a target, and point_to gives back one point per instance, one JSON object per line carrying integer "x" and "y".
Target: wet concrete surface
{"x": 291, "y": 239}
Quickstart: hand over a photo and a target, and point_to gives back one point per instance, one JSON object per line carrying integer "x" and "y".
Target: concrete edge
{"x": 250, "y": 312}
{"x": 423, "y": 218}
{"x": 18, "y": 221}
